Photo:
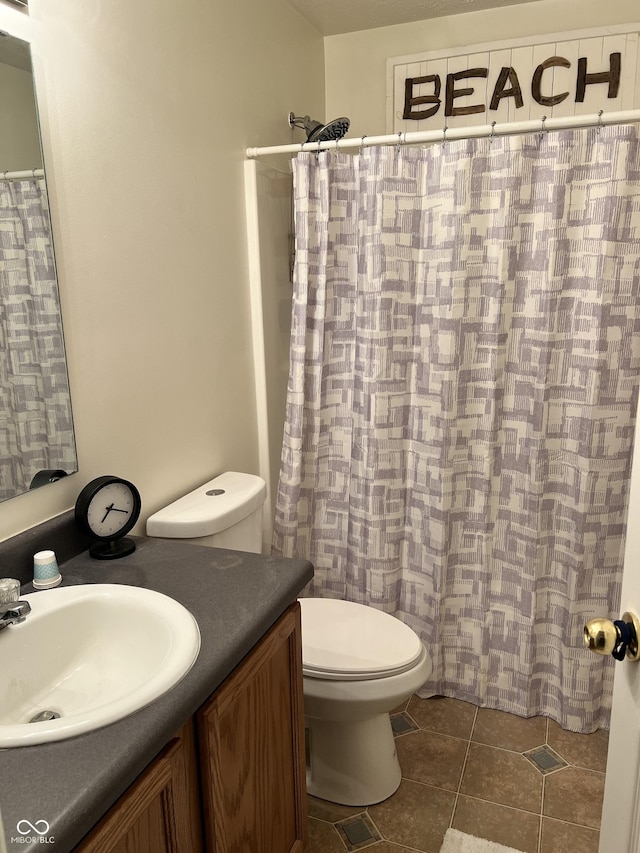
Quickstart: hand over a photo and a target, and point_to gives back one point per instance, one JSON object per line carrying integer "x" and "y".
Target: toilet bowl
{"x": 358, "y": 663}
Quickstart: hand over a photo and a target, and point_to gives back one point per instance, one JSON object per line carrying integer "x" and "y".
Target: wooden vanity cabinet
{"x": 251, "y": 739}
{"x": 160, "y": 812}
{"x": 236, "y": 770}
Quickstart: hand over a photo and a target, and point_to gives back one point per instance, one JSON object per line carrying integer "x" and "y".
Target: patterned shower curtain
{"x": 461, "y": 403}
{"x": 36, "y": 427}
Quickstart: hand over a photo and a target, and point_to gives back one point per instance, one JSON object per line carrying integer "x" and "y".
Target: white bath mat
{"x": 460, "y": 842}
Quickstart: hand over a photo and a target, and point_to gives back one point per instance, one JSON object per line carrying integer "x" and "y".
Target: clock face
{"x": 108, "y": 507}
{"x": 110, "y": 510}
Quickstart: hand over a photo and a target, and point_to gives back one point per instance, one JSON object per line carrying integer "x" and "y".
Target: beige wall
{"x": 146, "y": 111}
{"x": 269, "y": 208}
{"x": 356, "y": 62}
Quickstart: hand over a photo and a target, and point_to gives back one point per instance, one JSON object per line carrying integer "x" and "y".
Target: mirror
{"x": 37, "y": 443}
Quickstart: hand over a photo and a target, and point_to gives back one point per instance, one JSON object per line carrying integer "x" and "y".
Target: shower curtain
{"x": 461, "y": 402}
{"x": 36, "y": 428}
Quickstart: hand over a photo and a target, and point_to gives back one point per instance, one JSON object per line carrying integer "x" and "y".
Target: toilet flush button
{"x": 214, "y": 492}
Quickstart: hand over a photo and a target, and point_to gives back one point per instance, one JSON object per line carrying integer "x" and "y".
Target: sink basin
{"x": 92, "y": 654}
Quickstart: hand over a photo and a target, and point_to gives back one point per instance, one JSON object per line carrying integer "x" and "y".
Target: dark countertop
{"x": 235, "y": 598}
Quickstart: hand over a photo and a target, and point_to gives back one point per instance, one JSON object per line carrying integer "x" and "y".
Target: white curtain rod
{"x": 448, "y": 134}
{"x": 18, "y": 176}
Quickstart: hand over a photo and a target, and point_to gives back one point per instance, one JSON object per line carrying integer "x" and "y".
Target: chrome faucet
{"x": 13, "y": 613}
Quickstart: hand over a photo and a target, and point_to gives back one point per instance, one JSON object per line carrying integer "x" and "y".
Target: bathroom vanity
{"x": 217, "y": 763}
{"x": 244, "y": 745}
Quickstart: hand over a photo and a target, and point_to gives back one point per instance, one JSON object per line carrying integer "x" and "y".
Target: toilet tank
{"x": 226, "y": 512}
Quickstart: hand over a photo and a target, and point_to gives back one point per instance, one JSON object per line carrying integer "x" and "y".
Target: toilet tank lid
{"x": 211, "y": 508}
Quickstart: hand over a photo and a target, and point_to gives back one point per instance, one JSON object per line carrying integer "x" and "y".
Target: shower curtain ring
{"x": 362, "y": 139}
{"x": 444, "y": 135}
{"x": 544, "y": 127}
{"x": 600, "y": 122}
{"x": 493, "y": 132}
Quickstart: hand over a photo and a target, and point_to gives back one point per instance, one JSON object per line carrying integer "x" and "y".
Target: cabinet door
{"x": 160, "y": 812}
{"x": 251, "y": 737}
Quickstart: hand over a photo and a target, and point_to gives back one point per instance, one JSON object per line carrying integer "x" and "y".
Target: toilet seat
{"x": 345, "y": 641}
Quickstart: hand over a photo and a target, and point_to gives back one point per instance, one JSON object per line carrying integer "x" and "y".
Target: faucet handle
{"x": 9, "y": 590}
{"x": 13, "y": 613}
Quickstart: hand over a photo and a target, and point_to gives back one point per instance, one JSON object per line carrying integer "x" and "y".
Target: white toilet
{"x": 358, "y": 663}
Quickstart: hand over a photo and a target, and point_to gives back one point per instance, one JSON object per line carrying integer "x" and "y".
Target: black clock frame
{"x": 113, "y": 546}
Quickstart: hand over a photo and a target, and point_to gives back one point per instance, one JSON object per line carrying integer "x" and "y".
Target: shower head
{"x": 318, "y": 132}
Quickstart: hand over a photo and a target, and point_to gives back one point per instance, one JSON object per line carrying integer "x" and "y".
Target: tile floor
{"x": 523, "y": 783}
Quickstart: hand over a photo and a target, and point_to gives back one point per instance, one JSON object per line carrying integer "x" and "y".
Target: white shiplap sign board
{"x": 550, "y": 65}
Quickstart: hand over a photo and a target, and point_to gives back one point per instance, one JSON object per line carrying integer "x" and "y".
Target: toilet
{"x": 358, "y": 663}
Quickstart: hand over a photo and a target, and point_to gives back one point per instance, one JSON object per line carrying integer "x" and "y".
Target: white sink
{"x": 92, "y": 654}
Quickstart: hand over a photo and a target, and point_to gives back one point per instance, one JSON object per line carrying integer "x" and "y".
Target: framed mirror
{"x": 37, "y": 443}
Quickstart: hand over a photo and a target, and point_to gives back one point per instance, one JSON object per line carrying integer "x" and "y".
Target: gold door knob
{"x": 601, "y": 636}
{"x": 619, "y": 638}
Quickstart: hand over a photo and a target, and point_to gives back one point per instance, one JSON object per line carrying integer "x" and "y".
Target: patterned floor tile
{"x": 498, "y": 823}
{"x": 509, "y": 763}
{"x": 416, "y": 816}
{"x": 357, "y": 832}
{"x": 402, "y": 723}
{"x": 575, "y": 795}
{"x": 588, "y": 751}
{"x": 432, "y": 758}
{"x": 323, "y": 838}
{"x": 445, "y": 716}
{"x": 497, "y": 728}
{"x": 330, "y": 812}
{"x": 545, "y": 759}
{"x": 558, "y": 837}
{"x": 502, "y": 777}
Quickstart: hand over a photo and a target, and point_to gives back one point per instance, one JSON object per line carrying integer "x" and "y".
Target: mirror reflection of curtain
{"x": 36, "y": 429}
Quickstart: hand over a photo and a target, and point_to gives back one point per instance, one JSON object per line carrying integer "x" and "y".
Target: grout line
{"x": 332, "y": 824}
{"x": 394, "y": 844}
{"x": 572, "y": 823}
{"x": 512, "y": 751}
{"x": 473, "y": 724}
{"x": 505, "y": 748}
{"x": 544, "y": 781}
{"x": 377, "y": 828}
{"x": 464, "y": 767}
{"x": 415, "y": 723}
{"x": 504, "y": 806}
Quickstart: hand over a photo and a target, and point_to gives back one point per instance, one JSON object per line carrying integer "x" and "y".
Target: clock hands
{"x": 113, "y": 508}
{"x": 106, "y": 509}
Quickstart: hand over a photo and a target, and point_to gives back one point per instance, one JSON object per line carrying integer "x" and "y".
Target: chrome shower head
{"x": 318, "y": 132}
